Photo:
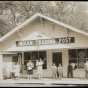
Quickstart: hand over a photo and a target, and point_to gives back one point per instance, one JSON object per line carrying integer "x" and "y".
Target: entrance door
{"x": 34, "y": 56}
{"x": 57, "y": 58}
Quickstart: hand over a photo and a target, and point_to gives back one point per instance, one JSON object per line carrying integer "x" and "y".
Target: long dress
{"x": 17, "y": 70}
{"x": 54, "y": 71}
{"x": 39, "y": 68}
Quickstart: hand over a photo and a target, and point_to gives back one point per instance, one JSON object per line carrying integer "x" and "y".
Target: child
{"x": 30, "y": 66}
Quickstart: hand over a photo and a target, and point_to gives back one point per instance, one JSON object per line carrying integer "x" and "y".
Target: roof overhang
{"x": 44, "y": 17}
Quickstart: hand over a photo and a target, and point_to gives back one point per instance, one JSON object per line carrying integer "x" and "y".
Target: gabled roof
{"x": 45, "y": 17}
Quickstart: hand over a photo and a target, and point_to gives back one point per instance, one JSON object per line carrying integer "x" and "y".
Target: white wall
{"x": 7, "y": 65}
{"x": 50, "y": 30}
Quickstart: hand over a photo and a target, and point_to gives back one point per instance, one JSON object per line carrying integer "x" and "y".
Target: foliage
{"x": 69, "y": 12}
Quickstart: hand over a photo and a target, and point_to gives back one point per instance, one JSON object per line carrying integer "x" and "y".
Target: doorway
{"x": 34, "y": 56}
{"x": 57, "y": 58}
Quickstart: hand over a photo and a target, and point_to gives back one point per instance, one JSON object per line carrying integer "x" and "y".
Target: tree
{"x": 69, "y": 12}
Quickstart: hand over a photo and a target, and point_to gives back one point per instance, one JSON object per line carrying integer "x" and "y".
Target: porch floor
{"x": 46, "y": 81}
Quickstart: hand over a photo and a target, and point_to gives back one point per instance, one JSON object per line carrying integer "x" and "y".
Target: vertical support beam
{"x": 22, "y": 62}
{"x": 49, "y": 63}
{"x": 49, "y": 59}
{"x": 1, "y": 66}
{"x": 65, "y": 61}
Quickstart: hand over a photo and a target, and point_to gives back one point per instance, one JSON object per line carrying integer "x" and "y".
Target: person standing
{"x": 39, "y": 65}
{"x": 13, "y": 70}
{"x": 17, "y": 70}
{"x": 60, "y": 71}
{"x": 30, "y": 66}
{"x": 86, "y": 69}
{"x": 73, "y": 65}
{"x": 70, "y": 71}
{"x": 54, "y": 71}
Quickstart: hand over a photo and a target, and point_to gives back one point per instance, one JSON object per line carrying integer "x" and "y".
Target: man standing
{"x": 60, "y": 71}
{"x": 54, "y": 71}
{"x": 70, "y": 71}
{"x": 86, "y": 69}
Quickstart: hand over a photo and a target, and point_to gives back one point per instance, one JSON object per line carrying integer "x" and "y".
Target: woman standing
{"x": 39, "y": 65}
{"x": 17, "y": 70}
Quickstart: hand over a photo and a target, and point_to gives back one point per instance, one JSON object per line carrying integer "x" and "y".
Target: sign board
{"x": 62, "y": 40}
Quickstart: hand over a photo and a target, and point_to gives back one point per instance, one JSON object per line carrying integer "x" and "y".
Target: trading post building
{"x": 43, "y": 37}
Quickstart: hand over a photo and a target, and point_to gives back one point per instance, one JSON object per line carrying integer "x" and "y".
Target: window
{"x": 78, "y": 56}
{"x": 34, "y": 56}
{"x": 57, "y": 58}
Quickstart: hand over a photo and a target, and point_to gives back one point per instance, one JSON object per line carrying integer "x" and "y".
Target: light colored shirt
{"x": 54, "y": 68}
{"x": 17, "y": 69}
{"x": 86, "y": 66}
{"x": 39, "y": 63}
{"x": 60, "y": 68}
{"x": 39, "y": 66}
{"x": 30, "y": 65}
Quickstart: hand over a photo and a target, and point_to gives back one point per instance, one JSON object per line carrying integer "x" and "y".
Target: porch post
{"x": 65, "y": 61}
{"x": 22, "y": 62}
{"x": 49, "y": 63}
{"x": 49, "y": 59}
